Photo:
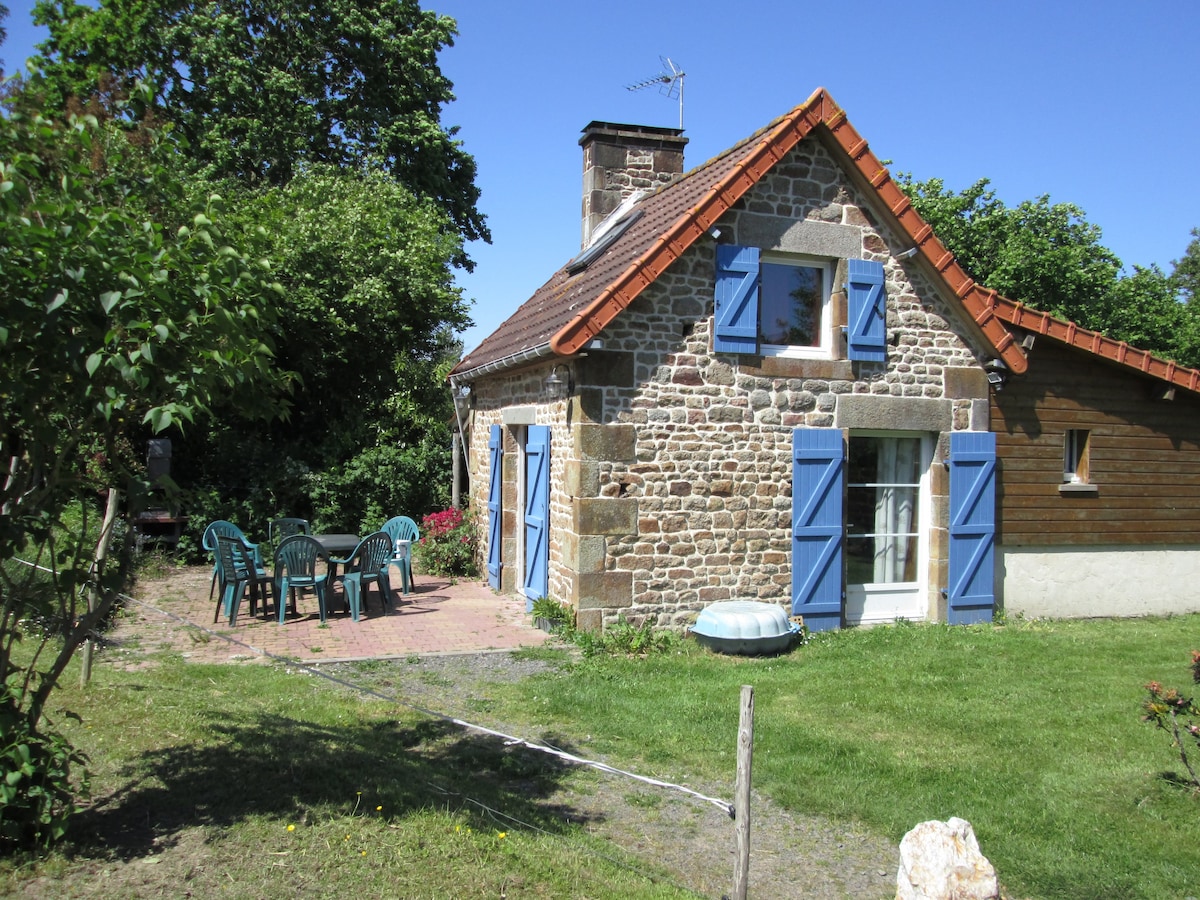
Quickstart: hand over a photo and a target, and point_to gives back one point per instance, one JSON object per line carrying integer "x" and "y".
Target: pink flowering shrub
{"x": 447, "y": 544}
{"x": 1176, "y": 714}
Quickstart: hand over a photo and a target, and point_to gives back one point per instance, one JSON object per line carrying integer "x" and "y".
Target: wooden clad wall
{"x": 1144, "y": 455}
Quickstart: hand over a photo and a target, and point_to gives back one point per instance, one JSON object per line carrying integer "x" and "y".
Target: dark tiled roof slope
{"x": 569, "y": 310}
{"x": 567, "y": 299}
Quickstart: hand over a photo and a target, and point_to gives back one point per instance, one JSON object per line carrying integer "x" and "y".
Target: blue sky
{"x": 1093, "y": 103}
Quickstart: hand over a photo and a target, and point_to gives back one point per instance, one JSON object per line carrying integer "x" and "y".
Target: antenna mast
{"x": 669, "y": 81}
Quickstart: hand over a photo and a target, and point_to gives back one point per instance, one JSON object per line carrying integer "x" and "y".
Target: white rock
{"x": 941, "y": 861}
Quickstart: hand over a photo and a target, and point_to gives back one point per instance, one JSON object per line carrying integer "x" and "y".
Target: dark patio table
{"x": 337, "y": 546}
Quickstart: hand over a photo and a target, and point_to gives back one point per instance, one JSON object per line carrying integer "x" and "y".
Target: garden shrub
{"x": 447, "y": 544}
{"x": 1176, "y": 714}
{"x": 38, "y": 770}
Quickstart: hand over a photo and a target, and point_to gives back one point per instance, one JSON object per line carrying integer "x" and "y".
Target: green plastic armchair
{"x": 279, "y": 529}
{"x": 209, "y": 543}
{"x": 369, "y": 562}
{"x": 237, "y": 572}
{"x": 402, "y": 528}
{"x": 301, "y": 563}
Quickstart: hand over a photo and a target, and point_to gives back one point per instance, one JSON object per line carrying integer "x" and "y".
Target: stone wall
{"x": 672, "y": 464}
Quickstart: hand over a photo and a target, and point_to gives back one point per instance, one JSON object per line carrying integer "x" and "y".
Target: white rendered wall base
{"x": 1098, "y": 581}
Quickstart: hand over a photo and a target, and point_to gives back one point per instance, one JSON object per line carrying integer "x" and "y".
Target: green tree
{"x": 1044, "y": 254}
{"x": 261, "y": 88}
{"x": 1185, "y": 274}
{"x": 123, "y": 308}
{"x": 321, "y": 124}
{"x": 366, "y": 320}
{"x": 3, "y": 33}
{"x": 1049, "y": 256}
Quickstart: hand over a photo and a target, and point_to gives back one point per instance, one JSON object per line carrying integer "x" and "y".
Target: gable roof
{"x": 575, "y": 306}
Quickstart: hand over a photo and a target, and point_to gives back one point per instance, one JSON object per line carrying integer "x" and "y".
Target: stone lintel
{"x": 519, "y": 415}
{"x": 785, "y": 234}
{"x": 887, "y": 413}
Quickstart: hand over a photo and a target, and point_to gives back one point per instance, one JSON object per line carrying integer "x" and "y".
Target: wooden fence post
{"x": 741, "y": 798}
{"x": 106, "y": 530}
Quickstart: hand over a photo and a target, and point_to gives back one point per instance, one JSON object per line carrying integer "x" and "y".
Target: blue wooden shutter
{"x": 537, "y": 513}
{"x": 971, "y": 592}
{"x": 866, "y": 335}
{"x": 735, "y": 318}
{"x": 817, "y": 476}
{"x": 495, "y": 485}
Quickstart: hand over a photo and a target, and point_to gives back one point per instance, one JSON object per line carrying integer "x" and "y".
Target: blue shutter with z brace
{"x": 817, "y": 477}
{"x": 495, "y": 483}
{"x": 866, "y": 335}
{"x": 537, "y": 513}
{"x": 735, "y": 308}
{"x": 971, "y": 593}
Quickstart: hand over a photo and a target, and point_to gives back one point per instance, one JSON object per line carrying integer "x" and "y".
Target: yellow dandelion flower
{"x": 291, "y": 828}
{"x": 364, "y": 853}
{"x": 502, "y": 835}
{"x": 379, "y": 809}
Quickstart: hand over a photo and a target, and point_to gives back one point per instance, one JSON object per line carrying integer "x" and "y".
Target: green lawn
{"x": 1031, "y": 731}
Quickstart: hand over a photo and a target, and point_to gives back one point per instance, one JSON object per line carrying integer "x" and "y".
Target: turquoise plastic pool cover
{"x": 745, "y": 627}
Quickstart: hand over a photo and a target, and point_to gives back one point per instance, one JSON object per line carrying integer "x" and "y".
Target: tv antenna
{"x": 669, "y": 81}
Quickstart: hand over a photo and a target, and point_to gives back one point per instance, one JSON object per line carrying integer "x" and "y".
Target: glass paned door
{"x": 883, "y": 527}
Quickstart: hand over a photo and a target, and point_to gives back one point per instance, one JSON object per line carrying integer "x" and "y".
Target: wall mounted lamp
{"x": 997, "y": 373}
{"x": 463, "y": 397}
{"x": 558, "y": 387}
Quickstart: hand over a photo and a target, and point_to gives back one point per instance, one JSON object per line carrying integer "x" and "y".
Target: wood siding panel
{"x": 1144, "y": 455}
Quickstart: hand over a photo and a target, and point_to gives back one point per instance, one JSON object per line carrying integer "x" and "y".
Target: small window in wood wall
{"x": 1075, "y": 456}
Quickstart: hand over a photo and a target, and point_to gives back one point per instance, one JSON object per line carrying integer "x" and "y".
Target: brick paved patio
{"x": 437, "y": 617}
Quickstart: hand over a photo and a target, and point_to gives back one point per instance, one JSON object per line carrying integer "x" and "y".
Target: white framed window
{"x": 794, "y": 306}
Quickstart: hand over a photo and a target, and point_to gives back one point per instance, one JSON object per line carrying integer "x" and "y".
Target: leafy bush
{"x": 623, "y": 639}
{"x": 447, "y": 544}
{"x": 37, "y": 793}
{"x": 557, "y": 614}
{"x": 1167, "y": 708}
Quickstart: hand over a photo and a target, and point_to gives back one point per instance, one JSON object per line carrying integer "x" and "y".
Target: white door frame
{"x": 873, "y": 604}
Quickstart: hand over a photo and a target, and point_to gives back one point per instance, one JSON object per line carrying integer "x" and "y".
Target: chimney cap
{"x": 617, "y": 130}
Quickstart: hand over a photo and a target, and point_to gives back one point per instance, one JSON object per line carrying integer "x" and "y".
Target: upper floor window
{"x": 778, "y": 305}
{"x": 793, "y": 306}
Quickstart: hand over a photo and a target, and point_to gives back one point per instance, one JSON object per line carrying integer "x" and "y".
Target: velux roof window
{"x": 608, "y": 232}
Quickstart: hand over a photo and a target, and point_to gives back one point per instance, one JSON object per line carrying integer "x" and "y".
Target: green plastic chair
{"x": 209, "y": 543}
{"x": 301, "y": 563}
{"x": 402, "y": 528}
{"x": 279, "y": 529}
{"x": 369, "y": 562}
{"x": 238, "y": 572}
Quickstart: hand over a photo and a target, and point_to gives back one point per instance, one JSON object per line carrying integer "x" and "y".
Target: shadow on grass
{"x": 273, "y": 766}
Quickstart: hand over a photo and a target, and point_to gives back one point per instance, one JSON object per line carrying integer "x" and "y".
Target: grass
{"x": 264, "y": 782}
{"x": 1030, "y": 731}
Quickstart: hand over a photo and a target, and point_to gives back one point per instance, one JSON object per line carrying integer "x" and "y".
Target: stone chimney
{"x": 620, "y": 160}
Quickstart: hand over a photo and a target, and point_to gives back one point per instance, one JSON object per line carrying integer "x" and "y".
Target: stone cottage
{"x": 765, "y": 378}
